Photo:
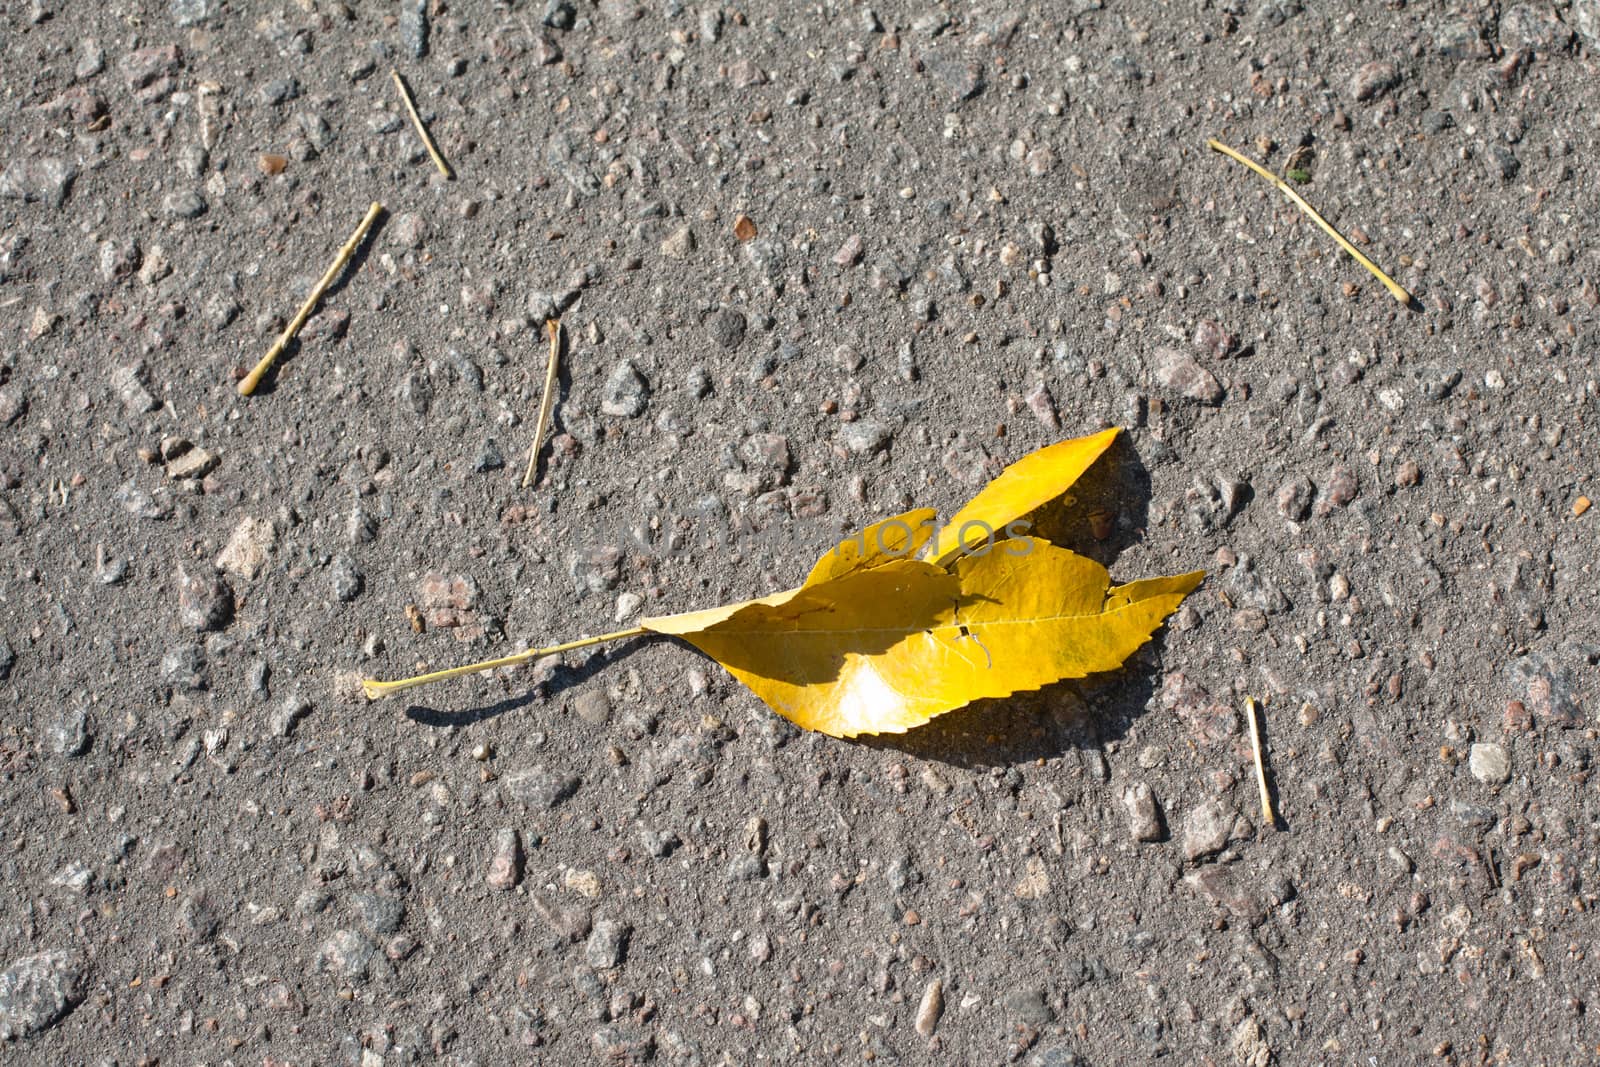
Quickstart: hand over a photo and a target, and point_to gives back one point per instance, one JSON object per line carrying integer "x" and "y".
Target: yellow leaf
{"x": 877, "y": 642}
{"x": 1025, "y": 486}
{"x": 886, "y": 649}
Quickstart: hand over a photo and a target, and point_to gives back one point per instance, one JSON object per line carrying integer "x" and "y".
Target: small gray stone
{"x": 1586, "y": 18}
{"x": 1459, "y": 38}
{"x": 539, "y": 788}
{"x": 1210, "y": 827}
{"x": 1489, "y": 764}
{"x": 962, "y": 78}
{"x": 197, "y": 920}
{"x": 220, "y": 311}
{"x": 727, "y": 328}
{"x": 866, "y": 436}
{"x": 118, "y": 259}
{"x": 289, "y": 713}
{"x": 184, "y": 667}
{"x": 626, "y": 392}
{"x": 345, "y": 579}
{"x": 37, "y": 991}
{"x": 764, "y": 460}
{"x": 8, "y": 659}
{"x": 608, "y": 944}
{"x": 746, "y": 867}
{"x": 190, "y": 12}
{"x": 378, "y": 913}
{"x": 559, "y": 14}
{"x": 414, "y": 27}
{"x": 204, "y": 603}
{"x": 69, "y": 734}
{"x": 91, "y": 59}
{"x": 42, "y": 181}
{"x": 488, "y": 458}
{"x": 505, "y": 866}
{"x": 13, "y": 405}
{"x": 280, "y": 91}
{"x": 1252, "y": 589}
{"x": 1143, "y": 812}
{"x": 1028, "y": 1005}
{"x": 679, "y": 244}
{"x": 184, "y": 204}
{"x": 659, "y": 843}
{"x": 347, "y": 955}
{"x": 1374, "y": 79}
{"x": 1182, "y": 375}
{"x": 593, "y": 707}
{"x": 129, "y": 385}
{"x": 1502, "y": 162}
{"x": 1533, "y": 26}
{"x": 1294, "y": 499}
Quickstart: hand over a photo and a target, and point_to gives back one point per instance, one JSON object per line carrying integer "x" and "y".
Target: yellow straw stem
{"x": 422, "y": 131}
{"x": 376, "y": 689}
{"x": 1267, "y": 815}
{"x": 1396, "y": 290}
{"x": 553, "y": 328}
{"x": 253, "y": 379}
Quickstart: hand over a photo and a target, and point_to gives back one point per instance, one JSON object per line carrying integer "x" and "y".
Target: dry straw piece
{"x": 253, "y": 379}
{"x": 1267, "y": 815}
{"x": 553, "y": 328}
{"x": 1396, "y": 290}
{"x": 422, "y": 131}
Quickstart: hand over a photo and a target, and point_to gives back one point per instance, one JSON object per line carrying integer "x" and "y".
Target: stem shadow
{"x": 562, "y": 677}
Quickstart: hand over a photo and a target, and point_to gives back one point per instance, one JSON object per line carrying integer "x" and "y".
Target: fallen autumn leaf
{"x": 877, "y": 642}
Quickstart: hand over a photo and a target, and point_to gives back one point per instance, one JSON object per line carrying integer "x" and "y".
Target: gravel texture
{"x": 816, "y": 264}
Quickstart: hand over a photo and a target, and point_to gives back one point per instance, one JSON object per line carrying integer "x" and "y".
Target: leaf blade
{"x": 1023, "y": 487}
{"x": 898, "y": 537}
{"x": 889, "y": 648}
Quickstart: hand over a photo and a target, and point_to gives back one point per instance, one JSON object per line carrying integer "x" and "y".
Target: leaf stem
{"x": 422, "y": 131}
{"x": 553, "y": 328}
{"x": 1396, "y": 290}
{"x": 376, "y": 689}
{"x": 253, "y": 379}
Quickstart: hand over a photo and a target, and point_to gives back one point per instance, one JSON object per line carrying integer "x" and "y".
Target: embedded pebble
{"x": 248, "y": 548}
{"x": 505, "y": 867}
{"x": 345, "y": 579}
{"x": 204, "y": 603}
{"x": 1182, "y": 375}
{"x": 1374, "y": 79}
{"x": 1489, "y": 763}
{"x": 866, "y": 436}
{"x": 608, "y": 944}
{"x": 626, "y": 392}
{"x": 37, "y": 991}
{"x": 1143, "y": 813}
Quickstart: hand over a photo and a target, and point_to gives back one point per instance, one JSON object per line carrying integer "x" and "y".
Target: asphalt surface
{"x": 816, "y": 264}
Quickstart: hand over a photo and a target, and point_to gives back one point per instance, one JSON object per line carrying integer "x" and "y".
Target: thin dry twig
{"x": 376, "y": 689}
{"x": 1396, "y": 290}
{"x": 422, "y": 131}
{"x": 553, "y": 328}
{"x": 253, "y": 379}
{"x": 1267, "y": 815}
